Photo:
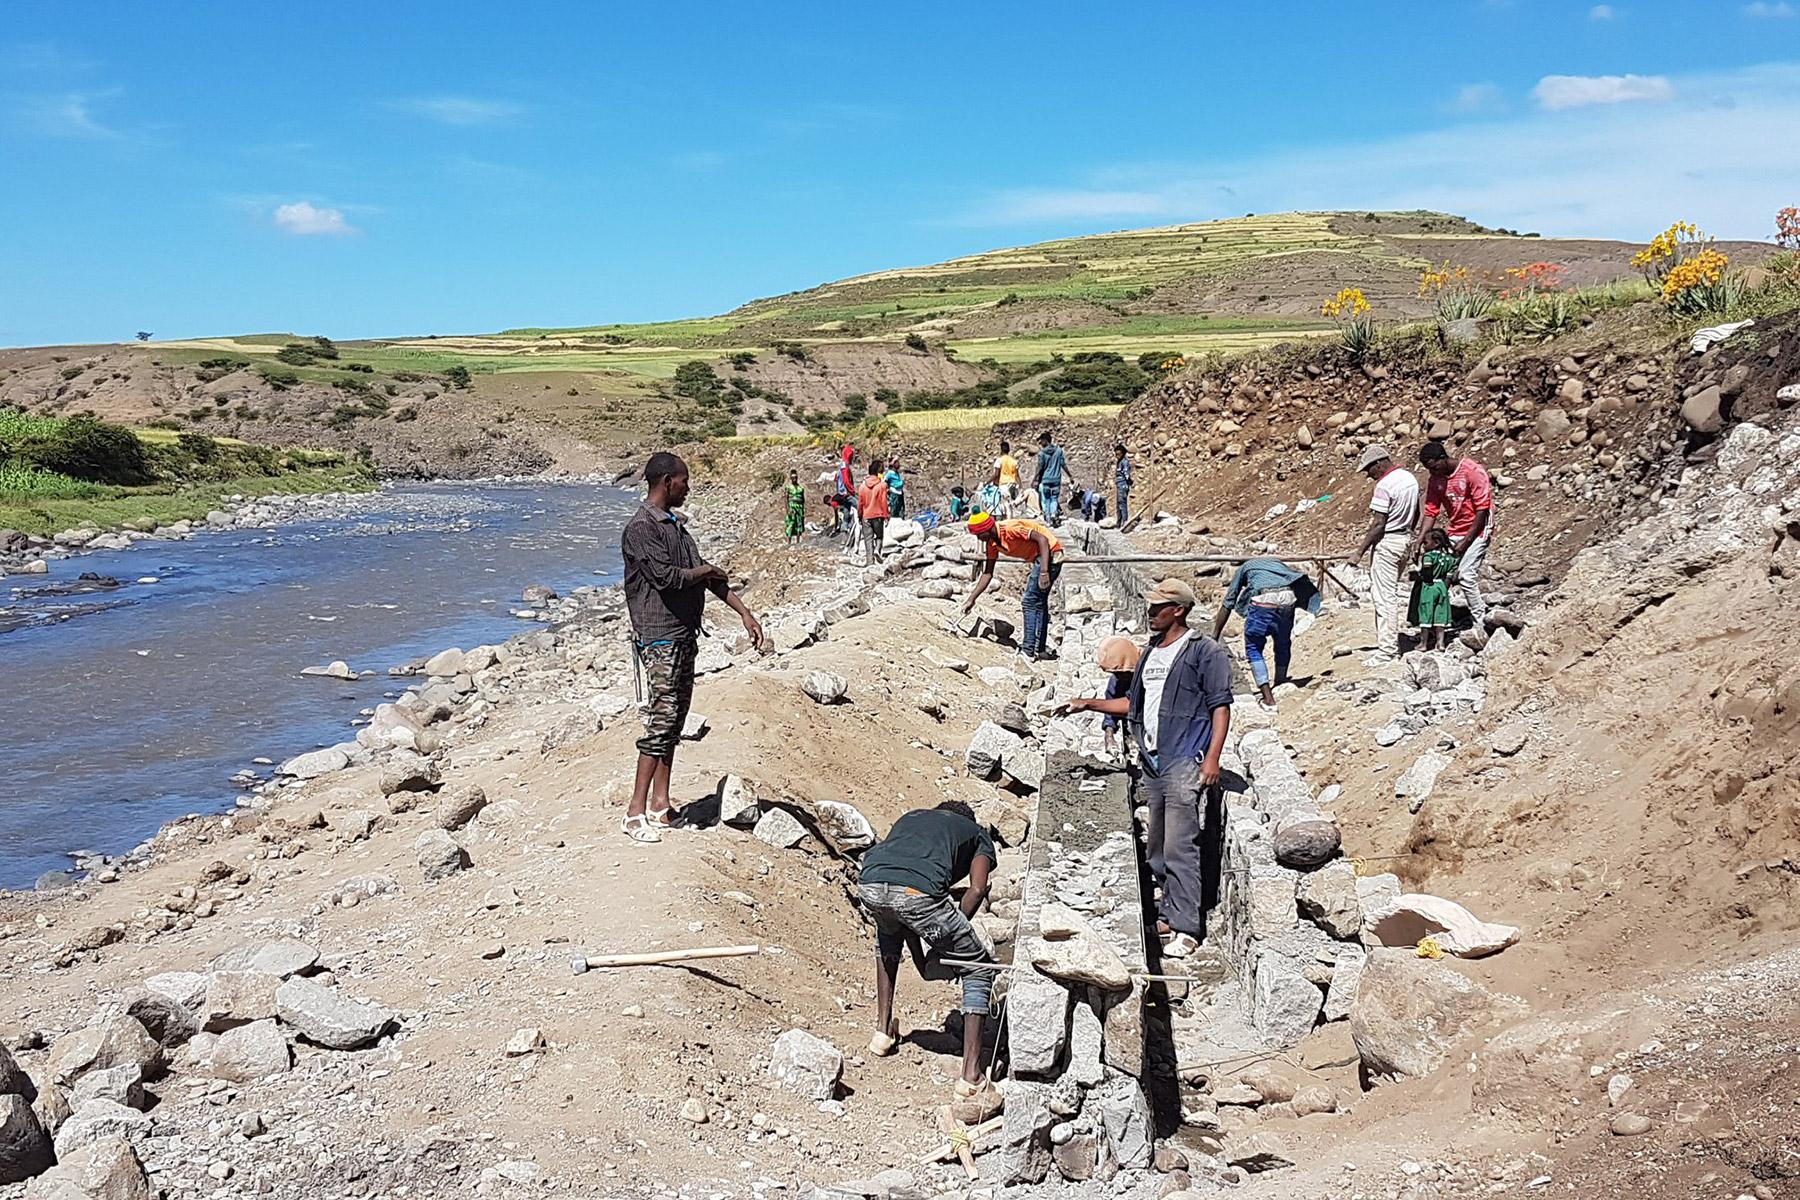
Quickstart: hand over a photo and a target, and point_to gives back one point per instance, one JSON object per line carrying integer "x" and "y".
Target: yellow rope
{"x": 959, "y": 1139}
{"x": 1429, "y": 948}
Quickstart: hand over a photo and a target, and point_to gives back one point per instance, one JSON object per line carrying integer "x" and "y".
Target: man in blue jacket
{"x": 1265, "y": 592}
{"x": 1178, "y": 712}
{"x": 1050, "y": 464}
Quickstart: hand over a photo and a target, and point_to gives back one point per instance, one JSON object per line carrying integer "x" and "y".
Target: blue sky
{"x": 384, "y": 169}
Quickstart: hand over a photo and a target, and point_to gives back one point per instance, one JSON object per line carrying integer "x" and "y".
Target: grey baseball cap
{"x": 1372, "y": 455}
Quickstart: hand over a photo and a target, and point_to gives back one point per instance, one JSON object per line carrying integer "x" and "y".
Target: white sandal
{"x": 640, "y": 828}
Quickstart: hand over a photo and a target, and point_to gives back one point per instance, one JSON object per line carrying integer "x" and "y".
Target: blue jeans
{"x": 1037, "y": 607}
{"x": 1259, "y": 623}
{"x": 904, "y": 917}
{"x": 1124, "y": 513}
{"x": 1050, "y": 496}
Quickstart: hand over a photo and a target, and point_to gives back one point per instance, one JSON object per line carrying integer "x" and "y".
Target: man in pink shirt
{"x": 1460, "y": 491}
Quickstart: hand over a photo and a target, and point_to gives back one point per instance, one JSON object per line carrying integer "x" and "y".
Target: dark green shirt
{"x": 929, "y": 849}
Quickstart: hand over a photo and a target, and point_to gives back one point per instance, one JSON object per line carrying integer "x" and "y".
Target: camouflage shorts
{"x": 669, "y": 678}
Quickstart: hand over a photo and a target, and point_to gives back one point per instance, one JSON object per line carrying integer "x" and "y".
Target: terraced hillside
{"x": 1078, "y": 321}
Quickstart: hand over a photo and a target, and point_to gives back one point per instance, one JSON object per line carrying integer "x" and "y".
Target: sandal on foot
{"x": 640, "y": 828}
{"x": 661, "y": 818}
{"x": 1180, "y": 946}
{"x": 882, "y": 1045}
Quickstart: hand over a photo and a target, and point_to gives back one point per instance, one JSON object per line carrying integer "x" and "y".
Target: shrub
{"x": 197, "y": 446}
{"x": 1455, "y": 293}
{"x": 86, "y": 449}
{"x": 17, "y": 479}
{"x": 458, "y": 377}
{"x": 1687, "y": 270}
{"x": 279, "y": 379}
{"x": 742, "y": 359}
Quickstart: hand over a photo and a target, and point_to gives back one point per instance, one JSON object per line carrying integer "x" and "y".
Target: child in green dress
{"x": 1431, "y": 592}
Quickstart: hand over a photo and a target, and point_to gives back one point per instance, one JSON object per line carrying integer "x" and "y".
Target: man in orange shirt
{"x": 872, "y": 507}
{"x": 1024, "y": 540}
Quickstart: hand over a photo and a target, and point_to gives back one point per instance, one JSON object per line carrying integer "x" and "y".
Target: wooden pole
{"x": 946, "y": 1150}
{"x": 656, "y": 958}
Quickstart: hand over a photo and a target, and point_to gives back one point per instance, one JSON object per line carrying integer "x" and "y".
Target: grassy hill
{"x": 1002, "y": 327}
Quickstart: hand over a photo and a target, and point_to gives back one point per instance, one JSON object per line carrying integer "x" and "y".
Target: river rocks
{"x": 326, "y": 1017}
{"x": 988, "y": 749}
{"x": 409, "y": 773}
{"x": 98, "y": 1120}
{"x": 236, "y": 998}
{"x": 1509, "y": 739}
{"x": 1069, "y": 949}
{"x": 823, "y": 687}
{"x": 1701, "y": 411}
{"x": 1411, "y": 1010}
{"x": 1456, "y": 930}
{"x": 795, "y": 632}
{"x": 780, "y": 828}
{"x": 1416, "y": 783}
{"x": 114, "y": 1041}
{"x": 392, "y": 727}
{"x": 459, "y": 806}
{"x": 445, "y": 663}
{"x": 163, "y": 1018}
{"x": 844, "y": 826}
{"x": 1327, "y": 897}
{"x": 25, "y": 1149}
{"x": 1553, "y": 426}
{"x": 439, "y": 855}
{"x": 250, "y": 1052}
{"x": 281, "y": 958}
{"x": 1256, "y": 1152}
{"x": 336, "y": 669}
{"x": 806, "y": 1065}
{"x": 122, "y": 1085}
{"x": 1630, "y": 1124}
{"x": 1123, "y": 1114}
{"x": 1025, "y": 1133}
{"x": 106, "y": 1169}
{"x": 1314, "y": 1099}
{"x": 538, "y": 593}
{"x": 1284, "y": 1004}
{"x": 1307, "y": 842}
{"x": 314, "y": 763}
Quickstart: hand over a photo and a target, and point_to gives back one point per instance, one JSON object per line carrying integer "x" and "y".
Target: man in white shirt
{"x": 1394, "y": 513}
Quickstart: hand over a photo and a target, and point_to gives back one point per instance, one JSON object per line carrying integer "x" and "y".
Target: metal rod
{"x": 1078, "y": 560}
{"x": 583, "y": 964}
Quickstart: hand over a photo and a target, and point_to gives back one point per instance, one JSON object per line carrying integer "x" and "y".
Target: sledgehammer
{"x": 582, "y": 964}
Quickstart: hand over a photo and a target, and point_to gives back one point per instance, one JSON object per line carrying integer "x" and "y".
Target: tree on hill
{"x": 144, "y": 335}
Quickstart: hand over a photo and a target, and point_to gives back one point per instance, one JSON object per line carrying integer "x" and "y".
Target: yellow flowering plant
{"x": 1686, "y": 270}
{"x": 1350, "y": 309}
{"x": 1455, "y": 292}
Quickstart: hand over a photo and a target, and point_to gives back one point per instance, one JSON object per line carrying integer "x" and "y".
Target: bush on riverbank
{"x": 59, "y": 472}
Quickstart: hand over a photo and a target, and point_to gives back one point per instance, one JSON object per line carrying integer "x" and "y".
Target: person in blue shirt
{"x": 896, "y": 486}
{"x": 1050, "y": 463}
{"x": 1122, "y": 484}
{"x": 1177, "y": 713}
{"x": 1265, "y": 592}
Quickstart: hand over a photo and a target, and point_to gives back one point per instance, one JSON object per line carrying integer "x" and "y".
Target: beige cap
{"x": 1118, "y": 654}
{"x": 1171, "y": 591}
{"x": 1372, "y": 455}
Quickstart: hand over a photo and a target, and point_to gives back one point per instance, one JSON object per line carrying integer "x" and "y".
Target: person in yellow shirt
{"x": 1006, "y": 472}
{"x": 1027, "y": 541}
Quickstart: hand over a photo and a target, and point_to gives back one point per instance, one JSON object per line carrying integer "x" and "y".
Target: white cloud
{"x": 1767, "y": 11}
{"x": 460, "y": 110}
{"x": 1578, "y": 91}
{"x": 67, "y": 115}
{"x": 1601, "y": 12}
{"x": 1476, "y": 98}
{"x": 310, "y": 220}
{"x": 1603, "y": 171}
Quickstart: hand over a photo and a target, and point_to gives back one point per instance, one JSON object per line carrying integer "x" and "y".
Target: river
{"x": 130, "y": 707}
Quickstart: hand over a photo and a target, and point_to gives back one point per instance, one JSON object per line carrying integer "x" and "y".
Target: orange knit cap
{"x": 980, "y": 523}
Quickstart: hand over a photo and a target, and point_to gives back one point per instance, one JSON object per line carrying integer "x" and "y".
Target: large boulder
{"x": 281, "y": 958}
{"x": 1306, "y": 840}
{"x": 439, "y": 855}
{"x": 98, "y": 1120}
{"x": 780, "y": 828}
{"x": 121, "y": 1084}
{"x": 1456, "y": 930}
{"x": 738, "y": 803}
{"x": 824, "y": 687}
{"x": 251, "y": 1052}
{"x": 106, "y": 1169}
{"x": 1417, "y": 782}
{"x": 25, "y": 1149}
{"x": 844, "y": 826}
{"x": 1327, "y": 897}
{"x": 13, "y": 1079}
{"x": 237, "y": 998}
{"x": 459, "y": 806}
{"x": 163, "y": 1017}
{"x": 328, "y": 1018}
{"x": 1410, "y": 1011}
{"x": 806, "y": 1065}
{"x": 314, "y": 763}
{"x": 989, "y": 748}
{"x": 1284, "y": 1003}
{"x": 1069, "y": 949}
{"x": 114, "y": 1041}
{"x": 407, "y": 772}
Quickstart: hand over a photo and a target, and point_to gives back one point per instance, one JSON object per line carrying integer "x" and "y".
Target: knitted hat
{"x": 980, "y": 523}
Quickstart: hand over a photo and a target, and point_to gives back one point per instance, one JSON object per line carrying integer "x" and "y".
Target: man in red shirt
{"x": 1461, "y": 492}
{"x": 872, "y": 507}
